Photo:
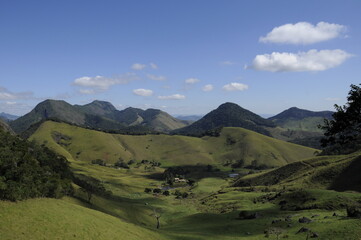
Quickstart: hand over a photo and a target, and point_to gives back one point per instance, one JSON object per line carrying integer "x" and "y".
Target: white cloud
{"x": 16, "y": 108}
{"x": 235, "y": 87}
{"x": 172, "y": 97}
{"x": 87, "y": 91}
{"x": 7, "y": 95}
{"x": 191, "y": 80}
{"x": 303, "y": 33}
{"x": 143, "y": 92}
{"x": 156, "y": 78}
{"x": 312, "y": 60}
{"x": 229, "y": 63}
{"x": 138, "y": 66}
{"x": 101, "y": 83}
{"x": 153, "y": 65}
{"x": 207, "y": 88}
{"x": 10, "y": 103}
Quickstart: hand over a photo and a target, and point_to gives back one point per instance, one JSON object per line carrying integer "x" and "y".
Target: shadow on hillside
{"x": 350, "y": 177}
{"x": 195, "y": 172}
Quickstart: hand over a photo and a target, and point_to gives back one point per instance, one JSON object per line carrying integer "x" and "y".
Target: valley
{"x": 208, "y": 209}
{"x": 233, "y": 183}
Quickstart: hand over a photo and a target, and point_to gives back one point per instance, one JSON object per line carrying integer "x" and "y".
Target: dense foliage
{"x": 28, "y": 170}
{"x": 342, "y": 133}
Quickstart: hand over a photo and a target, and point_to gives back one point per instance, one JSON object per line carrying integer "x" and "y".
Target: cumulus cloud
{"x": 191, "y": 80}
{"x": 235, "y": 87}
{"x": 156, "y": 78}
{"x": 303, "y": 33}
{"x": 153, "y": 65}
{"x": 7, "y": 95}
{"x": 172, "y": 97}
{"x": 207, "y": 88}
{"x": 143, "y": 92}
{"x": 101, "y": 83}
{"x": 312, "y": 60}
{"x": 138, "y": 66}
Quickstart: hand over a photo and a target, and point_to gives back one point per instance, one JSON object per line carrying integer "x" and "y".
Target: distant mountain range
{"x": 294, "y": 124}
{"x": 8, "y": 117}
{"x": 99, "y": 115}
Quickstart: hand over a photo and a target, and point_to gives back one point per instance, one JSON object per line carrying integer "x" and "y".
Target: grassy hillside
{"x": 5, "y": 127}
{"x": 300, "y": 119}
{"x": 232, "y": 145}
{"x": 326, "y": 172}
{"x": 63, "y": 219}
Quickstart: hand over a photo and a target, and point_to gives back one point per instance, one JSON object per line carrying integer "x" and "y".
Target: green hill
{"x": 227, "y": 115}
{"x": 62, "y": 219}
{"x": 233, "y": 144}
{"x": 340, "y": 173}
{"x": 300, "y": 119}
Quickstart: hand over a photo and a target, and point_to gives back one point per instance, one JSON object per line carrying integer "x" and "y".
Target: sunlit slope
{"x": 341, "y": 173}
{"x": 255, "y": 149}
{"x": 59, "y": 219}
{"x": 232, "y": 145}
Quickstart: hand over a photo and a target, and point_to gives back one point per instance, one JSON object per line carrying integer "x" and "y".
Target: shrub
{"x": 121, "y": 164}
{"x": 147, "y": 190}
{"x": 157, "y": 190}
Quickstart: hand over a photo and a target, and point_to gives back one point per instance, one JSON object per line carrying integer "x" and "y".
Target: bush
{"x": 248, "y": 215}
{"x": 147, "y": 190}
{"x": 121, "y": 164}
{"x": 353, "y": 211}
{"x": 130, "y": 162}
{"x": 157, "y": 190}
{"x": 238, "y": 164}
{"x": 99, "y": 162}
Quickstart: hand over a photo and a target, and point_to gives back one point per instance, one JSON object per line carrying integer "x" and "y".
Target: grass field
{"x": 64, "y": 219}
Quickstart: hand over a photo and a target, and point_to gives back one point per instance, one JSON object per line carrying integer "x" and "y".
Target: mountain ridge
{"x": 100, "y": 115}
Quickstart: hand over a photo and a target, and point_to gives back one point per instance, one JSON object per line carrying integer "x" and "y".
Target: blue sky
{"x": 184, "y": 57}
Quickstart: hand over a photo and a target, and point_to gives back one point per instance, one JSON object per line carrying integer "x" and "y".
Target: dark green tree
{"x": 343, "y": 132}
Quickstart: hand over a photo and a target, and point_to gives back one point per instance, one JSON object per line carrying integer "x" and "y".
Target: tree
{"x": 157, "y": 216}
{"x": 343, "y": 132}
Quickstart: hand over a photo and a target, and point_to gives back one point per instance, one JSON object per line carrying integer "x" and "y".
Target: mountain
{"x": 8, "y": 117}
{"x": 49, "y": 109}
{"x": 191, "y": 118}
{"x": 98, "y": 115}
{"x": 227, "y": 115}
{"x": 152, "y": 118}
{"x": 300, "y": 119}
{"x": 4, "y": 126}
